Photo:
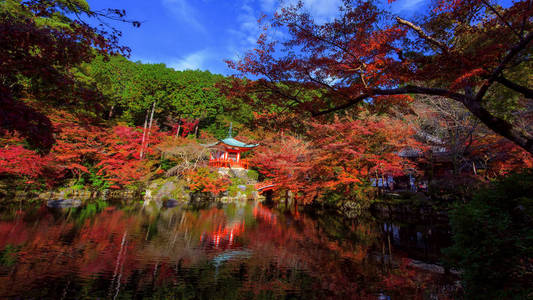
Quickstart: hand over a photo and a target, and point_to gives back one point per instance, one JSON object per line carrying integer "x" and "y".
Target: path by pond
{"x": 232, "y": 251}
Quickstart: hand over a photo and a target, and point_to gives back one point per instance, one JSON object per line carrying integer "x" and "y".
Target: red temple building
{"x": 227, "y": 152}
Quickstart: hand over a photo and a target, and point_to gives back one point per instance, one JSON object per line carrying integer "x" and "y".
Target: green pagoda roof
{"x": 233, "y": 142}
{"x": 230, "y": 141}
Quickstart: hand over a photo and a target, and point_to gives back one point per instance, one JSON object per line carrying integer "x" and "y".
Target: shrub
{"x": 205, "y": 180}
{"x": 493, "y": 239}
{"x": 253, "y": 175}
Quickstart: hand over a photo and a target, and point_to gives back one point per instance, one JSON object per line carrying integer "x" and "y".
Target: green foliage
{"x": 98, "y": 181}
{"x": 90, "y": 210}
{"x": 504, "y": 102}
{"x": 130, "y": 89}
{"x": 166, "y": 164}
{"x": 493, "y": 239}
{"x": 234, "y": 189}
{"x": 253, "y": 174}
{"x": 8, "y": 256}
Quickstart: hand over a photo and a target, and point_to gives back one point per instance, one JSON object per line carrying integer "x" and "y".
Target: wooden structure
{"x": 227, "y": 152}
{"x": 264, "y": 186}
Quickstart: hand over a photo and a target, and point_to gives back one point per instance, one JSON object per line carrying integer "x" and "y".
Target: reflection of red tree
{"x": 264, "y": 214}
{"x": 339, "y": 267}
{"x": 109, "y": 244}
{"x": 45, "y": 250}
{"x": 112, "y": 248}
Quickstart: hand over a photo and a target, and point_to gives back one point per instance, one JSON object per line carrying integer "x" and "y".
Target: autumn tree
{"x": 119, "y": 161}
{"x": 185, "y": 155}
{"x": 476, "y": 53}
{"x": 41, "y": 42}
{"x": 207, "y": 180}
{"x": 339, "y": 157}
{"x": 473, "y": 149}
{"x": 287, "y": 161}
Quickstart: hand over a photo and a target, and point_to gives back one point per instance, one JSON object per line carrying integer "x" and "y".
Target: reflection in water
{"x": 238, "y": 251}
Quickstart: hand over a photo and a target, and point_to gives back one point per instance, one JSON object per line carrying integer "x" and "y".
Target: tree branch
{"x": 349, "y": 104}
{"x": 496, "y": 73}
{"x": 527, "y": 92}
{"x": 521, "y": 137}
{"x": 409, "y": 89}
{"x": 412, "y": 89}
{"x": 423, "y": 35}
{"x": 502, "y": 19}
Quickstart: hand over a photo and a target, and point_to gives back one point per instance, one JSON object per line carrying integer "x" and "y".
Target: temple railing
{"x": 228, "y": 163}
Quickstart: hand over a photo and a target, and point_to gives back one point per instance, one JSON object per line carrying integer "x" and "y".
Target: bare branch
{"x": 423, "y": 35}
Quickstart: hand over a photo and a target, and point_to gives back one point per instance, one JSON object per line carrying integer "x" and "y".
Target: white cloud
{"x": 403, "y": 5}
{"x": 184, "y": 12}
{"x": 193, "y": 61}
{"x": 245, "y": 34}
{"x": 323, "y": 10}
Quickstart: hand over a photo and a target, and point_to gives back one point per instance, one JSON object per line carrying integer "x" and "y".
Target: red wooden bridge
{"x": 264, "y": 186}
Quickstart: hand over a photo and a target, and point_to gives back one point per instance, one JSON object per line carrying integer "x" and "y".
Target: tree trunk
{"x": 504, "y": 128}
{"x": 268, "y": 197}
{"x": 500, "y": 126}
{"x": 144, "y": 134}
{"x": 179, "y": 126}
{"x": 150, "y": 126}
{"x": 111, "y": 112}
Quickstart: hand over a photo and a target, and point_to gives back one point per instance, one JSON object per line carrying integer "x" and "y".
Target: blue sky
{"x": 201, "y": 34}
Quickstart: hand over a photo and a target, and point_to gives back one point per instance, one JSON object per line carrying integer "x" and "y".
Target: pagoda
{"x": 227, "y": 152}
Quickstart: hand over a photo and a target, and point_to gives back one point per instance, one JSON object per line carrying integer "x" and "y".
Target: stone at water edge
{"x": 63, "y": 203}
{"x": 170, "y": 203}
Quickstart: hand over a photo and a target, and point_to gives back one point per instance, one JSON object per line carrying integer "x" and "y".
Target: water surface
{"x": 234, "y": 251}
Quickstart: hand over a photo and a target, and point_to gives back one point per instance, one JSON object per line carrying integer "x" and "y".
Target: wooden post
{"x": 110, "y": 115}
{"x": 179, "y": 126}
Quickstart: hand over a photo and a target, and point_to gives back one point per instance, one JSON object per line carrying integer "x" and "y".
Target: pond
{"x": 234, "y": 251}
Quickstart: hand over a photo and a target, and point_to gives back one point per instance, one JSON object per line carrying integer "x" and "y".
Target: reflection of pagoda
{"x": 227, "y": 152}
{"x": 224, "y": 236}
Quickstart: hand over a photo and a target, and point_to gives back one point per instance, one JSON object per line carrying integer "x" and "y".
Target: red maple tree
{"x": 466, "y": 51}
{"x": 342, "y": 156}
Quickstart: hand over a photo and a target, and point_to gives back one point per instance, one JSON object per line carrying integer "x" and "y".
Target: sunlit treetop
{"x": 467, "y": 51}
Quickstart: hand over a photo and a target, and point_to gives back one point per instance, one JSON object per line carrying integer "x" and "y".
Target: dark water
{"x": 235, "y": 251}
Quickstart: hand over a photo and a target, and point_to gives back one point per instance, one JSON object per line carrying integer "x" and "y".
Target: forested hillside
{"x": 76, "y": 111}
